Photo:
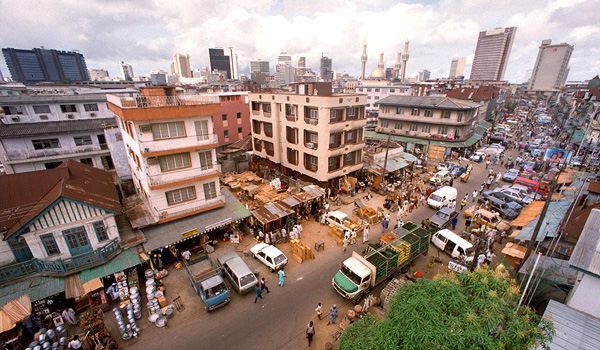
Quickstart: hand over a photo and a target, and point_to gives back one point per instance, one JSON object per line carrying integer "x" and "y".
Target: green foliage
{"x": 469, "y": 311}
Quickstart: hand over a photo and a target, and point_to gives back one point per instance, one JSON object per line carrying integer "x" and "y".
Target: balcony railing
{"x": 311, "y": 121}
{"x": 60, "y": 267}
{"x": 140, "y": 101}
{"x": 291, "y": 118}
{"x": 218, "y": 201}
{"x": 22, "y": 154}
{"x": 182, "y": 175}
{"x": 149, "y": 146}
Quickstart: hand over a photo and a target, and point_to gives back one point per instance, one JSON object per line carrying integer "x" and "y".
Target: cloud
{"x": 146, "y": 33}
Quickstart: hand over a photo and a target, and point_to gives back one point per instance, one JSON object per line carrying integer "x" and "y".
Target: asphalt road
{"x": 279, "y": 320}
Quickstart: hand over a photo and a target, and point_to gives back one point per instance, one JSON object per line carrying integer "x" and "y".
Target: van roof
{"x": 461, "y": 242}
{"x": 235, "y": 263}
{"x": 446, "y": 190}
{"x": 442, "y": 172}
{"x": 340, "y": 215}
{"x": 357, "y": 267}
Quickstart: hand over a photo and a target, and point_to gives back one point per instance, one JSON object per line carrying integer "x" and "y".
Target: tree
{"x": 476, "y": 310}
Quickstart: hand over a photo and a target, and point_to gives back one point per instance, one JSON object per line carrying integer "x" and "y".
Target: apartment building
{"x": 170, "y": 143}
{"x": 310, "y": 131}
{"x": 379, "y": 91}
{"x": 551, "y": 66}
{"x": 39, "y": 132}
{"x": 232, "y": 122}
{"x": 492, "y": 53}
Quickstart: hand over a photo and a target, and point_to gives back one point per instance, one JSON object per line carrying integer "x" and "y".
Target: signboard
{"x": 457, "y": 266}
{"x": 556, "y": 155}
{"x": 189, "y": 234}
{"x": 436, "y": 152}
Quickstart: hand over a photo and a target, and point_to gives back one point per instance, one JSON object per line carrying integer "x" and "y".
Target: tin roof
{"x": 574, "y": 329}
{"x": 438, "y": 102}
{"x": 586, "y": 255}
{"x": 55, "y": 127}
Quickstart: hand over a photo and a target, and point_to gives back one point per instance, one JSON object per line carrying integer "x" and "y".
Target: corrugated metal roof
{"x": 125, "y": 260}
{"x": 586, "y": 255}
{"x": 441, "y": 102}
{"x": 575, "y": 330}
{"x": 554, "y": 215}
{"x": 554, "y": 269}
{"x": 36, "y": 287}
{"x": 55, "y": 127}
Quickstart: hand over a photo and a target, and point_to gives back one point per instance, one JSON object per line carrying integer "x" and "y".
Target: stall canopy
{"x": 550, "y": 225}
{"x": 271, "y": 212}
{"x": 19, "y": 309}
{"x": 309, "y": 193}
{"x": 73, "y": 287}
{"x": 6, "y": 324}
{"x": 530, "y": 212}
{"x": 125, "y": 260}
{"x": 38, "y": 287}
{"x": 172, "y": 232}
{"x": 290, "y": 202}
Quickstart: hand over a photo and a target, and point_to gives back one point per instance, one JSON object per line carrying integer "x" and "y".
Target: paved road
{"x": 278, "y": 321}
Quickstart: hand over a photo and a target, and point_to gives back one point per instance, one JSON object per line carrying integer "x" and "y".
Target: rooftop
{"x": 586, "y": 255}
{"x": 15, "y": 130}
{"x": 37, "y": 99}
{"x": 482, "y": 93}
{"x": 141, "y": 101}
{"x": 574, "y": 329}
{"x": 439, "y": 102}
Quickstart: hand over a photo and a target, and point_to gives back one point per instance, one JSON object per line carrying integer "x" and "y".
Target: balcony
{"x": 27, "y": 155}
{"x": 427, "y": 120}
{"x": 173, "y": 213}
{"x": 291, "y": 117}
{"x": 155, "y": 148}
{"x": 311, "y": 121}
{"x": 183, "y": 176}
{"x": 139, "y": 101}
{"x": 311, "y": 167}
{"x": 60, "y": 267}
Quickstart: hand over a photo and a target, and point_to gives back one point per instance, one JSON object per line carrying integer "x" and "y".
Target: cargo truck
{"x": 208, "y": 283}
{"x": 359, "y": 273}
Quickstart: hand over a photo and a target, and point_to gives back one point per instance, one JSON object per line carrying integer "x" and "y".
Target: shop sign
{"x": 189, "y": 234}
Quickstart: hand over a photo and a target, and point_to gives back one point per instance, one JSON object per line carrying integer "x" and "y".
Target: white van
{"x": 452, "y": 244}
{"x": 442, "y": 197}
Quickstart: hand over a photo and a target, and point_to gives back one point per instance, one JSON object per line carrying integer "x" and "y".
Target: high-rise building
{"x": 233, "y": 63}
{"x": 285, "y": 74}
{"x": 492, "y": 53}
{"x": 98, "y": 74}
{"x": 302, "y": 62}
{"x": 219, "y": 61}
{"x": 551, "y": 66}
{"x": 424, "y": 75}
{"x": 457, "y": 67}
{"x": 181, "y": 65}
{"x": 326, "y": 71}
{"x": 126, "y": 71}
{"x": 159, "y": 77}
{"x": 284, "y": 58}
{"x": 259, "y": 67}
{"x": 38, "y": 65}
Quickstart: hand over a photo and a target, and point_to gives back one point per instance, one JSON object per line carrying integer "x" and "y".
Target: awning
{"x": 125, "y": 260}
{"x": 92, "y": 285}
{"x": 19, "y": 309}
{"x": 392, "y": 165}
{"x": 530, "y": 212}
{"x": 271, "y": 212}
{"x": 550, "y": 225}
{"x": 38, "y": 287}
{"x": 6, "y": 324}
{"x": 175, "y": 231}
{"x": 290, "y": 202}
{"x": 73, "y": 287}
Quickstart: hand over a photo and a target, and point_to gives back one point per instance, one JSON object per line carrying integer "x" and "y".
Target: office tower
{"x": 126, "y": 71}
{"x": 457, "y": 67}
{"x": 219, "y": 61}
{"x": 285, "y": 74}
{"x": 424, "y": 75}
{"x": 159, "y": 77}
{"x": 491, "y": 54}
{"x": 404, "y": 57}
{"x": 363, "y": 62}
{"x": 38, "y": 65}
{"x": 284, "y": 58}
{"x": 326, "y": 71}
{"x": 302, "y": 62}
{"x": 98, "y": 75}
{"x": 551, "y": 66}
{"x": 259, "y": 67}
{"x": 389, "y": 73}
{"x": 233, "y": 63}
{"x": 181, "y": 65}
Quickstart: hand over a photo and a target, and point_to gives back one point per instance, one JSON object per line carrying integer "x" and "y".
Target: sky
{"x": 146, "y": 33}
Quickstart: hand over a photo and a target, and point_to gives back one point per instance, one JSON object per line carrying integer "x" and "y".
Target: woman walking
{"x": 310, "y": 332}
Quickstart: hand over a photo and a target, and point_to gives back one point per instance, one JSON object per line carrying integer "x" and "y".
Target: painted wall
{"x": 584, "y": 296}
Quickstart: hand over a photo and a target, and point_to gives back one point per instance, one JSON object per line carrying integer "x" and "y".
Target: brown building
{"x": 232, "y": 122}
{"x": 487, "y": 96}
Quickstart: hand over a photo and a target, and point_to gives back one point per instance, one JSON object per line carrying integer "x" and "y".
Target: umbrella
{"x": 6, "y": 324}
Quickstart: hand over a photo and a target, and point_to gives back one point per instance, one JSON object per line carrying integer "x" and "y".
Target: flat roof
{"x": 17, "y": 130}
{"x": 40, "y": 99}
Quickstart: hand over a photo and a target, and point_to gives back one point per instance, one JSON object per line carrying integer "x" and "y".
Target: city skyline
{"x": 437, "y": 31}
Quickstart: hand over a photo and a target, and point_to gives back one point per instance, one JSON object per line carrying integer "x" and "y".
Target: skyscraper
{"x": 551, "y": 66}
{"x": 424, "y": 75}
{"x": 233, "y": 63}
{"x": 259, "y": 67}
{"x": 219, "y": 61}
{"x": 126, "y": 71}
{"x": 37, "y": 65}
{"x": 302, "y": 62}
{"x": 181, "y": 65}
{"x": 457, "y": 67}
{"x": 284, "y": 58}
{"x": 491, "y": 54}
{"x": 326, "y": 71}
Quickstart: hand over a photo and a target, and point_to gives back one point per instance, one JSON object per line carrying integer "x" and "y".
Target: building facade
{"x": 41, "y": 65}
{"x": 98, "y": 74}
{"x": 232, "y": 122}
{"x": 326, "y": 70}
{"x": 259, "y": 67}
{"x": 457, "y": 67}
{"x": 126, "y": 71}
{"x": 492, "y": 53}
{"x": 38, "y": 132}
{"x": 424, "y": 75}
{"x": 219, "y": 61}
{"x": 181, "y": 65}
{"x": 233, "y": 63}
{"x": 170, "y": 144}
{"x": 551, "y": 67}
{"x": 376, "y": 91}
{"x": 310, "y": 131}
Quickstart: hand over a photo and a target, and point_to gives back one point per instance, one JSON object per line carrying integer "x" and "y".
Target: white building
{"x": 98, "y": 75}
{"x": 181, "y": 65}
{"x": 457, "y": 67}
{"x": 39, "y": 132}
{"x": 285, "y": 74}
{"x": 377, "y": 90}
{"x": 424, "y": 75}
{"x": 551, "y": 67}
{"x": 310, "y": 131}
{"x": 492, "y": 53}
{"x": 126, "y": 71}
{"x": 170, "y": 145}
{"x": 233, "y": 63}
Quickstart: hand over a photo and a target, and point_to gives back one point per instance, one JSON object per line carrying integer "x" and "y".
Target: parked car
{"x": 510, "y": 175}
{"x": 443, "y": 166}
{"x": 442, "y": 218}
{"x": 507, "y": 210}
{"x": 439, "y": 178}
{"x": 477, "y": 157}
{"x": 457, "y": 170}
{"x": 490, "y": 218}
{"x": 515, "y": 195}
{"x": 536, "y": 152}
{"x": 270, "y": 256}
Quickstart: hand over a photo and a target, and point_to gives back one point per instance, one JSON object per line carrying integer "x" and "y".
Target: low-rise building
{"x": 487, "y": 96}
{"x": 310, "y": 131}
{"x": 232, "y": 122}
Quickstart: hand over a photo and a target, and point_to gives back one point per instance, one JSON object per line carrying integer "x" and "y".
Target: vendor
{"x": 113, "y": 291}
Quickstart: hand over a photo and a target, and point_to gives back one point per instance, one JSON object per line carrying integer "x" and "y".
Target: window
{"x": 428, "y": 113}
{"x": 311, "y": 138}
{"x": 426, "y": 128}
{"x": 226, "y": 134}
{"x": 87, "y": 161}
{"x": 68, "y": 108}
{"x": 43, "y": 117}
{"x": 392, "y": 90}
{"x": 376, "y": 89}
{"x": 414, "y": 127}
{"x": 266, "y": 107}
{"x": 255, "y": 106}
{"x": 443, "y": 130}
{"x": 334, "y": 163}
{"x": 100, "y": 230}
{"x": 181, "y": 195}
{"x": 41, "y": 109}
{"x": 377, "y": 97}
{"x": 368, "y": 89}
{"x": 45, "y": 143}
{"x": 351, "y": 136}
{"x": 224, "y": 117}
{"x": 240, "y": 130}
{"x": 351, "y": 113}
{"x": 399, "y": 110}
{"x": 238, "y": 115}
{"x": 268, "y": 129}
{"x": 168, "y": 130}
{"x": 460, "y": 116}
{"x": 415, "y": 111}
{"x": 256, "y": 126}
{"x": 311, "y": 162}
{"x": 82, "y": 140}
{"x": 210, "y": 190}
{"x": 292, "y": 156}
{"x": 10, "y": 110}
{"x": 335, "y": 115}
{"x": 335, "y": 140}
{"x": 369, "y": 97}
{"x": 49, "y": 244}
{"x": 52, "y": 165}
{"x": 269, "y": 148}
{"x": 174, "y": 162}
{"x": 206, "y": 160}
{"x": 257, "y": 145}
{"x": 446, "y": 114}
{"x": 290, "y": 110}
{"x": 291, "y": 135}
{"x": 201, "y": 127}
{"x": 360, "y": 89}
{"x": 352, "y": 158}
{"x": 90, "y": 107}
{"x": 384, "y": 123}
{"x": 398, "y": 126}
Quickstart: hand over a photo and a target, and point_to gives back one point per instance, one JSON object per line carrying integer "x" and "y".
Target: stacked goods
{"x": 300, "y": 251}
{"x": 387, "y": 238}
{"x": 336, "y": 234}
{"x": 128, "y": 329}
{"x": 368, "y": 214}
{"x": 403, "y": 250}
{"x": 136, "y": 300}
{"x": 424, "y": 236}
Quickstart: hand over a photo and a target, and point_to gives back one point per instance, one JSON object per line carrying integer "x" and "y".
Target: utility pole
{"x": 387, "y": 150}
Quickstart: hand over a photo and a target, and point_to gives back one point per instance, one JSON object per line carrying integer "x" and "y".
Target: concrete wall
{"x": 114, "y": 139}
{"x": 6, "y": 255}
{"x": 584, "y": 296}
{"x": 236, "y": 104}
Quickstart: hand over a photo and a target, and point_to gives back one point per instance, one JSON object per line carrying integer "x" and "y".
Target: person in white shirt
{"x": 113, "y": 291}
{"x": 75, "y": 343}
{"x": 68, "y": 315}
{"x": 186, "y": 255}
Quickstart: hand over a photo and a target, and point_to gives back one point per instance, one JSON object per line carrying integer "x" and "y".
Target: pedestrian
{"x": 468, "y": 221}
{"x": 267, "y": 238}
{"x": 463, "y": 202}
{"x": 399, "y": 214}
{"x": 333, "y": 313}
{"x": 400, "y": 223}
{"x": 319, "y": 311}
{"x": 310, "y": 332}
{"x": 75, "y": 343}
{"x": 324, "y": 218}
{"x": 366, "y": 233}
{"x": 454, "y": 222}
{"x": 281, "y": 275}
{"x": 263, "y": 285}
{"x": 475, "y": 193}
{"x": 257, "y": 293}
{"x": 299, "y": 230}
{"x": 68, "y": 315}
{"x": 487, "y": 163}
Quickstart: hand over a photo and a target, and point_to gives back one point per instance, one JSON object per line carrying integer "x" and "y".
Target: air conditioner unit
{"x": 146, "y": 150}
{"x": 15, "y": 119}
{"x": 152, "y": 161}
{"x": 92, "y": 115}
{"x": 43, "y": 117}
{"x": 145, "y": 128}
{"x": 70, "y": 116}
{"x": 310, "y": 145}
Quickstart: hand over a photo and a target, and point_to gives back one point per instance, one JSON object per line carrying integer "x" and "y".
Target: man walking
{"x": 257, "y": 293}
{"x": 263, "y": 285}
{"x": 310, "y": 332}
{"x": 281, "y": 275}
{"x": 366, "y": 233}
{"x": 454, "y": 222}
{"x": 333, "y": 313}
{"x": 319, "y": 311}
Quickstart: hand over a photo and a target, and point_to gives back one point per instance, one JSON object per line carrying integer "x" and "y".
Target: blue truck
{"x": 208, "y": 283}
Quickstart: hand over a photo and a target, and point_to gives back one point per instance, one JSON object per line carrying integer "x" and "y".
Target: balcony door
{"x": 201, "y": 130}
{"x": 20, "y": 249}
{"x": 77, "y": 241}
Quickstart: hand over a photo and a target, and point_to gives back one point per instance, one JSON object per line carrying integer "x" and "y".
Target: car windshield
{"x": 442, "y": 215}
{"x": 435, "y": 197}
{"x": 279, "y": 259}
{"x": 248, "y": 279}
{"x": 216, "y": 290}
{"x": 351, "y": 275}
